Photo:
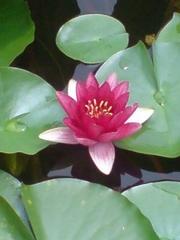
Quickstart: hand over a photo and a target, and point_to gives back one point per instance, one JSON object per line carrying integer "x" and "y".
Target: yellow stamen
{"x": 95, "y": 109}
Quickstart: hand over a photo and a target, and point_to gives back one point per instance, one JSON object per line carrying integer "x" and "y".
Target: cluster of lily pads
{"x": 75, "y": 209}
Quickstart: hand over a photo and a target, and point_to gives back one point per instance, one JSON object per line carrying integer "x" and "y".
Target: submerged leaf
{"x": 92, "y": 38}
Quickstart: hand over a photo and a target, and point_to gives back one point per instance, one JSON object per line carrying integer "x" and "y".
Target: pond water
{"x": 140, "y": 18}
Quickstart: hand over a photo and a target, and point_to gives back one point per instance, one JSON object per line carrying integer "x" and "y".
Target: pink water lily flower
{"x": 97, "y": 115}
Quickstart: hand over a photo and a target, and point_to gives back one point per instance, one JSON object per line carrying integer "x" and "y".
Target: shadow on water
{"x": 43, "y": 58}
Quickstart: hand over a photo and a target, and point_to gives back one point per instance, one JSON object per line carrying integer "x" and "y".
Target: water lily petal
{"x": 68, "y": 103}
{"x": 59, "y": 135}
{"x": 121, "y": 117}
{"x": 86, "y": 141}
{"x": 104, "y": 92}
{"x": 81, "y": 91}
{"x": 127, "y": 130}
{"x": 140, "y": 115}
{"x": 120, "y": 89}
{"x": 124, "y": 131}
{"x": 121, "y": 102}
{"x": 112, "y": 81}
{"x": 91, "y": 81}
{"x": 103, "y": 155}
{"x": 72, "y": 88}
{"x": 71, "y": 123}
{"x": 91, "y": 129}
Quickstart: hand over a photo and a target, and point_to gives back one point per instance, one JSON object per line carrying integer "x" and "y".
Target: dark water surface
{"x": 141, "y": 18}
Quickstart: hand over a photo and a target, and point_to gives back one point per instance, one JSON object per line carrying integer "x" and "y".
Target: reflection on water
{"x": 82, "y": 70}
{"x": 96, "y": 6}
{"x": 129, "y": 169}
{"x": 140, "y": 18}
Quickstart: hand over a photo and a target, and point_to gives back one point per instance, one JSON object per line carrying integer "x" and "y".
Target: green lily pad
{"x": 16, "y": 29}
{"x": 11, "y": 226}
{"x": 10, "y": 191}
{"x": 92, "y": 38}
{"x": 160, "y": 203}
{"x": 171, "y": 32}
{"x": 73, "y": 209}
{"x": 28, "y": 107}
{"x": 154, "y": 85}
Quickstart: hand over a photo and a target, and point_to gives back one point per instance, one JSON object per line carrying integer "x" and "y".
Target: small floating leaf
{"x": 92, "y": 38}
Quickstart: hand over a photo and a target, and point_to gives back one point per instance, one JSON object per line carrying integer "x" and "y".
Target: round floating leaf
{"x": 154, "y": 85}
{"x": 159, "y": 202}
{"x": 10, "y": 191}
{"x": 171, "y": 32}
{"x": 11, "y": 227}
{"x": 73, "y": 209}
{"x": 92, "y": 38}
{"x": 28, "y": 107}
{"x": 17, "y": 29}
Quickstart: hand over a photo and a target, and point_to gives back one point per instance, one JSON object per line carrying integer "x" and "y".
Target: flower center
{"x": 95, "y": 109}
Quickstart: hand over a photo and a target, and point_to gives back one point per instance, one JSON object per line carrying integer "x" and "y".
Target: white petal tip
{"x": 72, "y": 89}
{"x": 141, "y": 115}
{"x": 43, "y": 136}
{"x": 59, "y": 135}
{"x": 103, "y": 155}
{"x": 49, "y": 135}
{"x": 105, "y": 170}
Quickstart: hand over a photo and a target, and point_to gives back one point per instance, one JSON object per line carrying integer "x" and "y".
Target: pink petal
{"x": 121, "y": 89}
{"x": 59, "y": 135}
{"x": 92, "y": 129}
{"x": 140, "y": 115}
{"x": 91, "y": 81}
{"x": 104, "y": 91}
{"x": 72, "y": 89}
{"x": 127, "y": 130}
{"x": 73, "y": 126}
{"x": 81, "y": 91}
{"x": 112, "y": 81}
{"x": 91, "y": 93}
{"x": 86, "y": 128}
{"x": 123, "y": 132}
{"x": 86, "y": 141}
{"x": 104, "y": 121}
{"x": 103, "y": 155}
{"x": 67, "y": 103}
{"x": 120, "y": 118}
{"x": 121, "y": 102}
{"x": 108, "y": 137}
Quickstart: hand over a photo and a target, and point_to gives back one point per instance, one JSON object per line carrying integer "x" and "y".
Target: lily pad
{"x": 16, "y": 29}
{"x": 11, "y": 226}
{"x": 171, "y": 32}
{"x": 153, "y": 84}
{"x": 92, "y": 38}
{"x": 73, "y": 209}
{"x": 28, "y": 107}
{"x": 160, "y": 203}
